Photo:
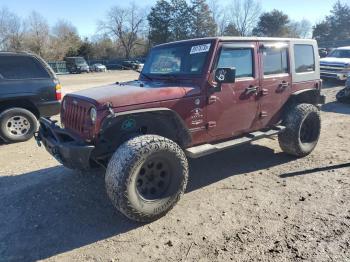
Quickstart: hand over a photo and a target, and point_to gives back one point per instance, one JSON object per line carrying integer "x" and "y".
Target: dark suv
{"x": 29, "y": 89}
{"x": 77, "y": 65}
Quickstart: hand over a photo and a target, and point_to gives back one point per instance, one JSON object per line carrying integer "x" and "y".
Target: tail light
{"x": 58, "y": 92}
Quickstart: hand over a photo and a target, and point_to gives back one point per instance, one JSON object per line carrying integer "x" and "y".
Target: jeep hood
{"x": 133, "y": 93}
{"x": 335, "y": 60}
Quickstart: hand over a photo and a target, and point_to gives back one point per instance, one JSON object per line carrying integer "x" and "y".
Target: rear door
{"x": 275, "y": 82}
{"x": 25, "y": 76}
{"x": 233, "y": 110}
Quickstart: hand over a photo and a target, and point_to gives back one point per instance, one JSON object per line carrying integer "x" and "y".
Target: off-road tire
{"x": 303, "y": 125}
{"x": 342, "y": 96}
{"x": 126, "y": 166}
{"x": 12, "y": 113}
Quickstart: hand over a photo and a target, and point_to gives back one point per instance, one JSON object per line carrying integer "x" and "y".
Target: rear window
{"x": 304, "y": 58}
{"x": 21, "y": 67}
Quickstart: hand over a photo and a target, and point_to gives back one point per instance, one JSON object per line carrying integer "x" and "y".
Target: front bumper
{"x": 338, "y": 76}
{"x": 84, "y": 69}
{"x": 69, "y": 150}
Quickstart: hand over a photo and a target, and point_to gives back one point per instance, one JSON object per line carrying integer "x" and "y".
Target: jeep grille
{"x": 75, "y": 116}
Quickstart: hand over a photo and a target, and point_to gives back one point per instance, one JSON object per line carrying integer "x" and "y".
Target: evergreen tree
{"x": 322, "y": 31}
{"x": 159, "y": 20}
{"x": 272, "y": 24}
{"x": 231, "y": 30}
{"x": 86, "y": 50}
{"x": 181, "y": 20}
{"x": 335, "y": 26}
{"x": 203, "y": 24}
{"x": 176, "y": 20}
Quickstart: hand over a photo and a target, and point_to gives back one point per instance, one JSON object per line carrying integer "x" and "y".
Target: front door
{"x": 233, "y": 110}
{"x": 275, "y": 81}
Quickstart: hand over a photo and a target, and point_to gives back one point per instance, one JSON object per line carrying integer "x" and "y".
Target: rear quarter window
{"x": 304, "y": 58}
{"x": 21, "y": 67}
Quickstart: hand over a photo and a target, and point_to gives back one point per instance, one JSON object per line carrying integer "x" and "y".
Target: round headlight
{"x": 93, "y": 115}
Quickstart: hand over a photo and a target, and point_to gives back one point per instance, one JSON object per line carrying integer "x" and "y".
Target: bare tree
{"x": 220, "y": 16}
{"x": 223, "y": 22}
{"x": 64, "y": 40}
{"x": 125, "y": 24}
{"x": 301, "y": 29}
{"x": 244, "y": 14}
{"x": 216, "y": 11}
{"x": 4, "y": 17}
{"x": 11, "y": 31}
{"x": 63, "y": 29}
{"x": 37, "y": 37}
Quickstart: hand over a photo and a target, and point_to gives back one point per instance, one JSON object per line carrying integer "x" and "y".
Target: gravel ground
{"x": 251, "y": 203}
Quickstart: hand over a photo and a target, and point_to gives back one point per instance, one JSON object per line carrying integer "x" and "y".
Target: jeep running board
{"x": 206, "y": 149}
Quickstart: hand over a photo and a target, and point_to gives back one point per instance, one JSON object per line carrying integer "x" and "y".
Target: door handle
{"x": 284, "y": 85}
{"x": 251, "y": 90}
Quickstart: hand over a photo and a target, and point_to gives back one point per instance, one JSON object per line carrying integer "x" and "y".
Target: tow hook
{"x": 37, "y": 139}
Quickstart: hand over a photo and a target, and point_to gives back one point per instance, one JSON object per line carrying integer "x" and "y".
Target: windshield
{"x": 80, "y": 61}
{"x": 339, "y": 53}
{"x": 180, "y": 59}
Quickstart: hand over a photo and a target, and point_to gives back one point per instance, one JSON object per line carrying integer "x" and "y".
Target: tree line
{"x": 131, "y": 31}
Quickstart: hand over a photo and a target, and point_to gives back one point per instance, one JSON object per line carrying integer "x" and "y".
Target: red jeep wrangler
{"x": 192, "y": 98}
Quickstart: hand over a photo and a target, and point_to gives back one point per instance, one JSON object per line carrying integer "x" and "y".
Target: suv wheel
{"x": 146, "y": 177}
{"x": 303, "y": 126}
{"x": 17, "y": 125}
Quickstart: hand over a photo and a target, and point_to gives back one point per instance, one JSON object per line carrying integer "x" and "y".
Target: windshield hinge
{"x": 109, "y": 106}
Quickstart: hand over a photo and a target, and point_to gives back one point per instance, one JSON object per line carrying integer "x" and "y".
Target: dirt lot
{"x": 252, "y": 203}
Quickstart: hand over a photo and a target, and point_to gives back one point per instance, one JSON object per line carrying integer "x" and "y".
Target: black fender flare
{"x": 25, "y": 101}
{"x": 158, "y": 121}
{"x": 310, "y": 96}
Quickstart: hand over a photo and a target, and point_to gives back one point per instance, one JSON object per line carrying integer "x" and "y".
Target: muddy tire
{"x": 17, "y": 125}
{"x": 146, "y": 177}
{"x": 303, "y": 126}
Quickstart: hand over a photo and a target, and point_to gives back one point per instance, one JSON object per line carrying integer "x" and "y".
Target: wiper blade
{"x": 171, "y": 77}
{"x": 147, "y": 76}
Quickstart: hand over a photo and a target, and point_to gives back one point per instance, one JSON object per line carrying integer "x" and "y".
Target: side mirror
{"x": 224, "y": 75}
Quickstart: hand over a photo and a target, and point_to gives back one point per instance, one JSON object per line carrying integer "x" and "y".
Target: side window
{"x": 241, "y": 59}
{"x": 21, "y": 67}
{"x": 304, "y": 58}
{"x": 275, "y": 61}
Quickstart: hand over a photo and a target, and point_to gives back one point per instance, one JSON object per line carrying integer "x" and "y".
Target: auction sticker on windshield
{"x": 200, "y": 49}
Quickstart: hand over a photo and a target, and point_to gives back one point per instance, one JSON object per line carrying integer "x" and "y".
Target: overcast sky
{"x": 84, "y": 14}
